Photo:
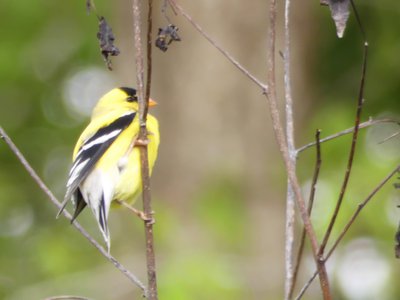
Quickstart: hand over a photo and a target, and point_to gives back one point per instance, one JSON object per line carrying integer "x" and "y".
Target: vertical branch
{"x": 280, "y": 136}
{"x": 310, "y": 206}
{"x": 139, "y": 60}
{"x": 360, "y": 102}
{"x": 289, "y": 240}
{"x": 290, "y": 201}
{"x": 143, "y": 108}
{"x": 149, "y": 60}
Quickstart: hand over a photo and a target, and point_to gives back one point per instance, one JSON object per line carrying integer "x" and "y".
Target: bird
{"x": 106, "y": 164}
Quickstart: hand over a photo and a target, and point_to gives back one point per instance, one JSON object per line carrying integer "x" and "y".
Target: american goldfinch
{"x": 106, "y": 163}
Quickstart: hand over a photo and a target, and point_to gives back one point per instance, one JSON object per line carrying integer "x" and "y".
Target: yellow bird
{"x": 106, "y": 164}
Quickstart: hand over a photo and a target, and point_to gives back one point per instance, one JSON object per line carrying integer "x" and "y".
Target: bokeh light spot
{"x": 84, "y": 88}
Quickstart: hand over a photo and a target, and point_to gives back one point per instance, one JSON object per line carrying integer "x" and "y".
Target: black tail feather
{"x": 80, "y": 204}
{"x": 103, "y": 216}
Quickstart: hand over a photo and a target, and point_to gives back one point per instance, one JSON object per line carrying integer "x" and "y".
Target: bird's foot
{"x": 148, "y": 218}
{"x": 141, "y": 142}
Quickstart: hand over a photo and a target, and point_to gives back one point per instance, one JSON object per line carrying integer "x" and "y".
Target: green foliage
{"x": 221, "y": 208}
{"x": 202, "y": 276}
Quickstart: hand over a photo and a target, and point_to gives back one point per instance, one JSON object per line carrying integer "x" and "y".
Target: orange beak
{"x": 152, "y": 103}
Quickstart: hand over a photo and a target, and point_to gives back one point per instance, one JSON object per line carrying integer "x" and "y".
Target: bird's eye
{"x": 131, "y": 99}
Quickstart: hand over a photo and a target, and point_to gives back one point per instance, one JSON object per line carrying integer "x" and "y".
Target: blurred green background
{"x": 219, "y": 184}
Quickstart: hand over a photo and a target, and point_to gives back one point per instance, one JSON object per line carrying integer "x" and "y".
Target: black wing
{"x": 91, "y": 151}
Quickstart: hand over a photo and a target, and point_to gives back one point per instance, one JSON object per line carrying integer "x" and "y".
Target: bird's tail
{"x": 101, "y": 213}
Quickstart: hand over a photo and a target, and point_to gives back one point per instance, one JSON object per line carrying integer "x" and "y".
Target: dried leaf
{"x": 106, "y": 39}
{"x": 340, "y": 13}
{"x": 166, "y": 36}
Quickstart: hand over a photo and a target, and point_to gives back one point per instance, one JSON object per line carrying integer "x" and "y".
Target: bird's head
{"x": 124, "y": 98}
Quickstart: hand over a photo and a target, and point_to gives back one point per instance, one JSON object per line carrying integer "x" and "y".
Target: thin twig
{"x": 54, "y": 200}
{"x": 360, "y": 102}
{"x": 306, "y": 286}
{"x": 263, "y": 86}
{"x": 360, "y": 26}
{"x": 309, "y": 208}
{"x": 350, "y": 223}
{"x": 290, "y": 196}
{"x": 280, "y": 137}
{"x": 389, "y": 137}
{"x": 66, "y": 297}
{"x": 366, "y": 124}
{"x": 164, "y": 9}
{"x": 359, "y": 208}
{"x": 143, "y": 107}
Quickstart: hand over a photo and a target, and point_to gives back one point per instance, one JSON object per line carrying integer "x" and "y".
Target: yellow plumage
{"x": 106, "y": 159}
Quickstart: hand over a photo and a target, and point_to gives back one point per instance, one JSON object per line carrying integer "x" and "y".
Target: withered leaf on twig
{"x": 166, "y": 36}
{"x": 106, "y": 39}
{"x": 340, "y": 13}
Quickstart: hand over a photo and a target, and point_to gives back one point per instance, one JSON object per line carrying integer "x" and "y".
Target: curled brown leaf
{"x": 166, "y": 36}
{"x": 106, "y": 39}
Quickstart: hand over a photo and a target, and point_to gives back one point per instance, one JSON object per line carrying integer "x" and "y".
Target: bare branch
{"x": 389, "y": 137}
{"x": 54, "y": 200}
{"x": 359, "y": 208}
{"x": 139, "y": 63}
{"x": 350, "y": 223}
{"x": 360, "y": 26}
{"x": 290, "y": 271}
{"x": 306, "y": 286}
{"x": 290, "y": 196}
{"x": 360, "y": 102}
{"x": 175, "y": 5}
{"x": 355, "y": 131}
{"x": 66, "y": 297}
{"x": 366, "y": 124}
{"x": 288, "y": 85}
{"x": 309, "y": 208}
{"x": 149, "y": 48}
{"x": 280, "y": 137}
{"x": 143, "y": 108}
